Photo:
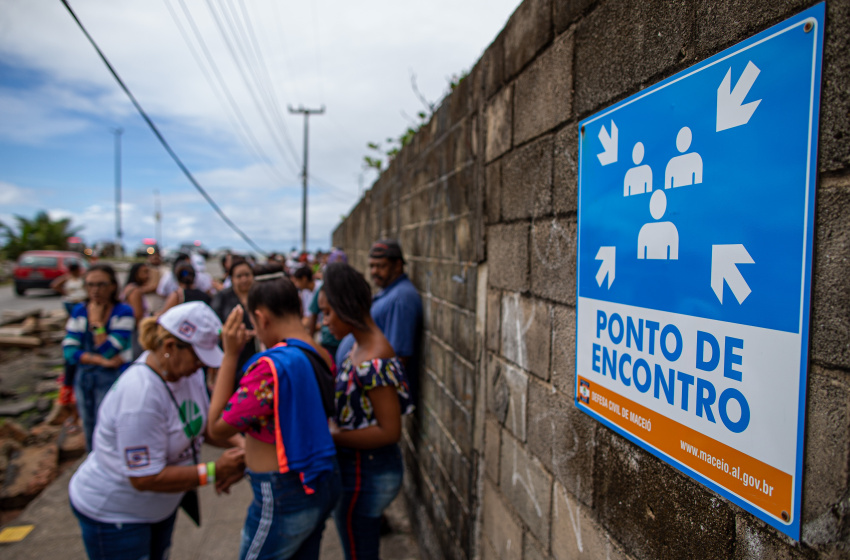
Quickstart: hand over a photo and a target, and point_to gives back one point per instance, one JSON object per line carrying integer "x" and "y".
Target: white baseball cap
{"x": 196, "y": 323}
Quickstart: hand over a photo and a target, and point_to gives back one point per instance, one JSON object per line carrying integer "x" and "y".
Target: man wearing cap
{"x": 396, "y": 308}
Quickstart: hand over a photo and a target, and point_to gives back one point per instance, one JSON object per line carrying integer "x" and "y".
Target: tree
{"x": 38, "y": 233}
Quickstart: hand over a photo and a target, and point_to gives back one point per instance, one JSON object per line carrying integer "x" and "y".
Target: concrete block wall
{"x": 500, "y": 462}
{"x": 429, "y": 200}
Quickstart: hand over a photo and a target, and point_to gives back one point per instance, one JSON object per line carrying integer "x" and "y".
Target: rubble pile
{"x": 37, "y": 438}
{"x": 31, "y": 329}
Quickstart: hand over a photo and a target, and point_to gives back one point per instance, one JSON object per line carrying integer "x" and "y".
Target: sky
{"x": 228, "y": 121}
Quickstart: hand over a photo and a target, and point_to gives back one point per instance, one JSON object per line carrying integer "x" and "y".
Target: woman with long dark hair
{"x": 281, "y": 409}
{"x": 371, "y": 396}
{"x": 98, "y": 342}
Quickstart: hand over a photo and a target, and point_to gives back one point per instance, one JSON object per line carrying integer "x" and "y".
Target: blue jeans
{"x": 126, "y": 541}
{"x": 371, "y": 479}
{"x": 283, "y": 520}
{"x": 91, "y": 383}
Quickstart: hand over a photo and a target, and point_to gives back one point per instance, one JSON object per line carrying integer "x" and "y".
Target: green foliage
{"x": 393, "y": 146}
{"x": 457, "y": 79}
{"x": 38, "y": 233}
{"x": 373, "y": 163}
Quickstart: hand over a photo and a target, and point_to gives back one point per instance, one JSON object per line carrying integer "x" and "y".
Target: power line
{"x": 261, "y": 69}
{"x": 266, "y": 119}
{"x": 220, "y": 86}
{"x": 159, "y": 136}
{"x": 283, "y": 50}
{"x": 316, "y": 50}
{"x": 329, "y": 186}
{"x": 261, "y": 60}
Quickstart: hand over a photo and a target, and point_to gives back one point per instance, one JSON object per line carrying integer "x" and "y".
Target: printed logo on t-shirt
{"x": 193, "y": 421}
{"x": 137, "y": 457}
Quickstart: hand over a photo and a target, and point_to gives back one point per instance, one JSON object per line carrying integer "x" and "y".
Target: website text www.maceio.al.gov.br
{"x": 719, "y": 463}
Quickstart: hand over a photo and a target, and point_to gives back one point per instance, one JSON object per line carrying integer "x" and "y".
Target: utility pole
{"x": 119, "y": 246}
{"x": 306, "y": 113}
{"x": 158, "y": 218}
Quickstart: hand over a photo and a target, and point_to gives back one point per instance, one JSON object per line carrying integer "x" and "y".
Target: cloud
{"x": 13, "y": 194}
{"x": 354, "y": 59}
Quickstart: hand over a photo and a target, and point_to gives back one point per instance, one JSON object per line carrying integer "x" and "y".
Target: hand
{"x": 113, "y": 362}
{"x": 234, "y": 335}
{"x": 92, "y": 358}
{"x": 229, "y": 469}
{"x": 332, "y": 427}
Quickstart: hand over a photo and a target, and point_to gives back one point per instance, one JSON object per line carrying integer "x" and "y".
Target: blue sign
{"x": 696, "y": 203}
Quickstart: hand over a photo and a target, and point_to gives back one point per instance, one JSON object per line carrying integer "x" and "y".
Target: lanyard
{"x": 179, "y": 412}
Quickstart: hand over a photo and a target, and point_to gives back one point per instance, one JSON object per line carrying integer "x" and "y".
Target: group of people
{"x": 316, "y": 434}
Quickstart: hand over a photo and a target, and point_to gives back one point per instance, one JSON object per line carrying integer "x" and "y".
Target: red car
{"x": 37, "y": 269}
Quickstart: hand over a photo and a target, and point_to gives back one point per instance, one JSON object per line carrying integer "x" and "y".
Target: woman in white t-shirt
{"x": 148, "y": 435}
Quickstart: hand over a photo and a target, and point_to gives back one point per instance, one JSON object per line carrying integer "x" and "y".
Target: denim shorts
{"x": 283, "y": 520}
{"x": 371, "y": 479}
{"x": 126, "y": 541}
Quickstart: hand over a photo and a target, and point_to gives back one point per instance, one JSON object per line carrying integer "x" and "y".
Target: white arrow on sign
{"x": 730, "y": 111}
{"x": 723, "y": 261}
{"x": 609, "y": 143}
{"x": 607, "y": 255}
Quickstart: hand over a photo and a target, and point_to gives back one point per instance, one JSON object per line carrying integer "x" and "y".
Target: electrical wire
{"x": 283, "y": 50}
{"x": 329, "y": 186}
{"x": 159, "y": 136}
{"x": 260, "y": 107}
{"x": 252, "y": 36}
{"x": 321, "y": 78}
{"x": 234, "y": 114}
{"x": 257, "y": 67}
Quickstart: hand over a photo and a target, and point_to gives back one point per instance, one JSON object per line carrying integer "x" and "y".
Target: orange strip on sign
{"x": 756, "y": 482}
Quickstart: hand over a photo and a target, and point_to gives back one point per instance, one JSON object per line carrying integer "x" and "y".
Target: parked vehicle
{"x": 195, "y": 247}
{"x": 37, "y": 269}
{"x": 146, "y": 250}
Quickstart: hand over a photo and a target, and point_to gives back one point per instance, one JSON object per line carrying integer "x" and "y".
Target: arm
{"x": 182, "y": 478}
{"x": 150, "y": 286}
{"x": 143, "y": 440}
{"x": 237, "y": 440}
{"x": 218, "y": 429}
{"x": 234, "y": 335}
{"x": 388, "y": 429}
{"x": 172, "y": 300}
{"x": 58, "y": 284}
{"x": 118, "y": 335}
{"x": 134, "y": 300}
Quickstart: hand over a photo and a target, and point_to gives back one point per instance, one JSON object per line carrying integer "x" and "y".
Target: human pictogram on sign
{"x": 694, "y": 266}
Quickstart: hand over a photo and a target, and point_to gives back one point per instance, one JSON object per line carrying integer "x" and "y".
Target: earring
{"x": 167, "y": 355}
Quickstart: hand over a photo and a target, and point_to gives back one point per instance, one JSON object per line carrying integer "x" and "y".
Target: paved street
{"x": 33, "y": 299}
{"x": 56, "y": 533}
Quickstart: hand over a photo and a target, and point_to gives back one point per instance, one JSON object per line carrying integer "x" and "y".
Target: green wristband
{"x": 211, "y": 472}
{"x": 100, "y": 330}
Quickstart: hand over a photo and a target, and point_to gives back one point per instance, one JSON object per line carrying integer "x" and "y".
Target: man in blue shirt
{"x": 396, "y": 309}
